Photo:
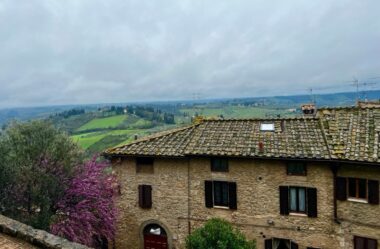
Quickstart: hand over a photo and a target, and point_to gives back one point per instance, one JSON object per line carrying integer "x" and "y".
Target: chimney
{"x": 261, "y": 147}
{"x": 309, "y": 110}
{"x": 368, "y": 104}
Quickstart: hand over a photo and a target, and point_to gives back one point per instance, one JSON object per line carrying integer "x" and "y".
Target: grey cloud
{"x": 89, "y": 51}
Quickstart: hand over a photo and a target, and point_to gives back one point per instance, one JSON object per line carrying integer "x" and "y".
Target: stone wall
{"x": 360, "y": 219}
{"x": 38, "y": 238}
{"x": 258, "y": 184}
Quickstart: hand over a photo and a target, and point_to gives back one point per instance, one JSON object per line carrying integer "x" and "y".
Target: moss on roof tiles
{"x": 336, "y": 133}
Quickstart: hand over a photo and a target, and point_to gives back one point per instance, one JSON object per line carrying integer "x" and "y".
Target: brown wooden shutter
{"x": 341, "y": 188}
{"x": 148, "y": 196}
{"x": 268, "y": 244}
{"x": 145, "y": 196}
{"x": 208, "y": 194}
{"x": 373, "y": 192}
{"x": 232, "y": 195}
{"x": 312, "y": 206}
{"x": 284, "y": 200}
{"x": 359, "y": 243}
{"x": 141, "y": 196}
{"x": 372, "y": 244}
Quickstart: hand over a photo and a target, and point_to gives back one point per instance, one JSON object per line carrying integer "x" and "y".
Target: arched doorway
{"x": 155, "y": 237}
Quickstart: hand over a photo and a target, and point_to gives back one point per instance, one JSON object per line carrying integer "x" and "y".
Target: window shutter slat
{"x": 268, "y": 244}
{"x": 208, "y": 194}
{"x": 312, "y": 206}
{"x": 341, "y": 188}
{"x": 284, "y": 200}
{"x": 141, "y": 196}
{"x": 148, "y": 196}
{"x": 373, "y": 192}
{"x": 232, "y": 195}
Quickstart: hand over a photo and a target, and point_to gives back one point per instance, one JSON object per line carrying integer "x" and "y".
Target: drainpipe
{"x": 188, "y": 197}
{"x": 334, "y": 169}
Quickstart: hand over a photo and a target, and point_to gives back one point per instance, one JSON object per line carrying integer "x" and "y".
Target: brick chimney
{"x": 309, "y": 110}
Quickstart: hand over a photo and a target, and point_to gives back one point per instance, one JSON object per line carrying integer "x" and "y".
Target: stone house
{"x": 306, "y": 182}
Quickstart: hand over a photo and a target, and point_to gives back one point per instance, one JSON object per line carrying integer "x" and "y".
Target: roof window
{"x": 267, "y": 127}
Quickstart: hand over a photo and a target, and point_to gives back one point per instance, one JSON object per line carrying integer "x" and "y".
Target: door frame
{"x": 152, "y": 221}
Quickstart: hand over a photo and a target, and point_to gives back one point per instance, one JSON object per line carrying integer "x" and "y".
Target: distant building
{"x": 307, "y": 182}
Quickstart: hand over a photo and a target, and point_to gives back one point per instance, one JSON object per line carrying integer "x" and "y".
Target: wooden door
{"x": 152, "y": 241}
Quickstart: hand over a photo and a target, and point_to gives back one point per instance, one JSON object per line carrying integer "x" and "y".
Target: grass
{"x": 103, "y": 123}
{"x": 234, "y": 111}
{"x": 88, "y": 139}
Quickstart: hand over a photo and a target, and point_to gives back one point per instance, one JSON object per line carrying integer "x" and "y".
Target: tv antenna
{"x": 362, "y": 85}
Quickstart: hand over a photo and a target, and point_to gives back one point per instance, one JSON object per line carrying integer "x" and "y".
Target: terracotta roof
{"x": 349, "y": 133}
{"x": 352, "y": 133}
{"x": 291, "y": 138}
{"x": 167, "y": 143}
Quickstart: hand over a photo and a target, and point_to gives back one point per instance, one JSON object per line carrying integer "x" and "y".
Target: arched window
{"x": 154, "y": 229}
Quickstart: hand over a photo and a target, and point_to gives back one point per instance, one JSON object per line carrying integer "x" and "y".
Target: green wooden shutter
{"x": 284, "y": 200}
{"x": 312, "y": 206}
{"x": 373, "y": 192}
{"x": 268, "y": 244}
{"x": 148, "y": 196}
{"x": 232, "y": 195}
{"x": 208, "y": 194}
{"x": 341, "y": 188}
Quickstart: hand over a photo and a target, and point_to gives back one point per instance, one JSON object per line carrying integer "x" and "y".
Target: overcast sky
{"x": 92, "y": 51}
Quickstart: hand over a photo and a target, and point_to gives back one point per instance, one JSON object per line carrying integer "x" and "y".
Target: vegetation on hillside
{"x": 45, "y": 183}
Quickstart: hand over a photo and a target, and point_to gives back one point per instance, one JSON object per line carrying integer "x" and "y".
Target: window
{"x": 298, "y": 200}
{"x": 267, "y": 127}
{"x": 275, "y": 243}
{"x": 363, "y": 190}
{"x": 144, "y": 164}
{"x": 357, "y": 188}
{"x": 297, "y": 196}
{"x": 296, "y": 168}
{"x": 364, "y": 243}
{"x": 219, "y": 164}
{"x": 220, "y": 194}
{"x": 145, "y": 196}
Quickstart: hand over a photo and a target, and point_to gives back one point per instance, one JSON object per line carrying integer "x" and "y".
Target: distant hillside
{"x": 97, "y": 127}
{"x": 334, "y": 99}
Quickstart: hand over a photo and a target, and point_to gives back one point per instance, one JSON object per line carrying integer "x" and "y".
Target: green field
{"x": 87, "y": 139}
{"x": 98, "y": 141}
{"x": 234, "y": 111}
{"x": 103, "y": 123}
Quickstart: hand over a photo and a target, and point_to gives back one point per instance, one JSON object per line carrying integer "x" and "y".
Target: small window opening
{"x": 267, "y": 127}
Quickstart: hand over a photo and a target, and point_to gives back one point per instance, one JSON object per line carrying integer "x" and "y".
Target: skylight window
{"x": 267, "y": 127}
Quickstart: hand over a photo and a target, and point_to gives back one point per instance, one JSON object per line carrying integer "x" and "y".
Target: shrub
{"x": 218, "y": 234}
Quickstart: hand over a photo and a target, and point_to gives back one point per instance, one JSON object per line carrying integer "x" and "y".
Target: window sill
{"x": 357, "y": 200}
{"x": 298, "y": 214}
{"x": 221, "y": 207}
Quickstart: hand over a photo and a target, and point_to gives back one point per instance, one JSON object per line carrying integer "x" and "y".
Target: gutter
{"x": 188, "y": 197}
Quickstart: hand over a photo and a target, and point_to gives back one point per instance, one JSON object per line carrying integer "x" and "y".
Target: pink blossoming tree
{"x": 86, "y": 214}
